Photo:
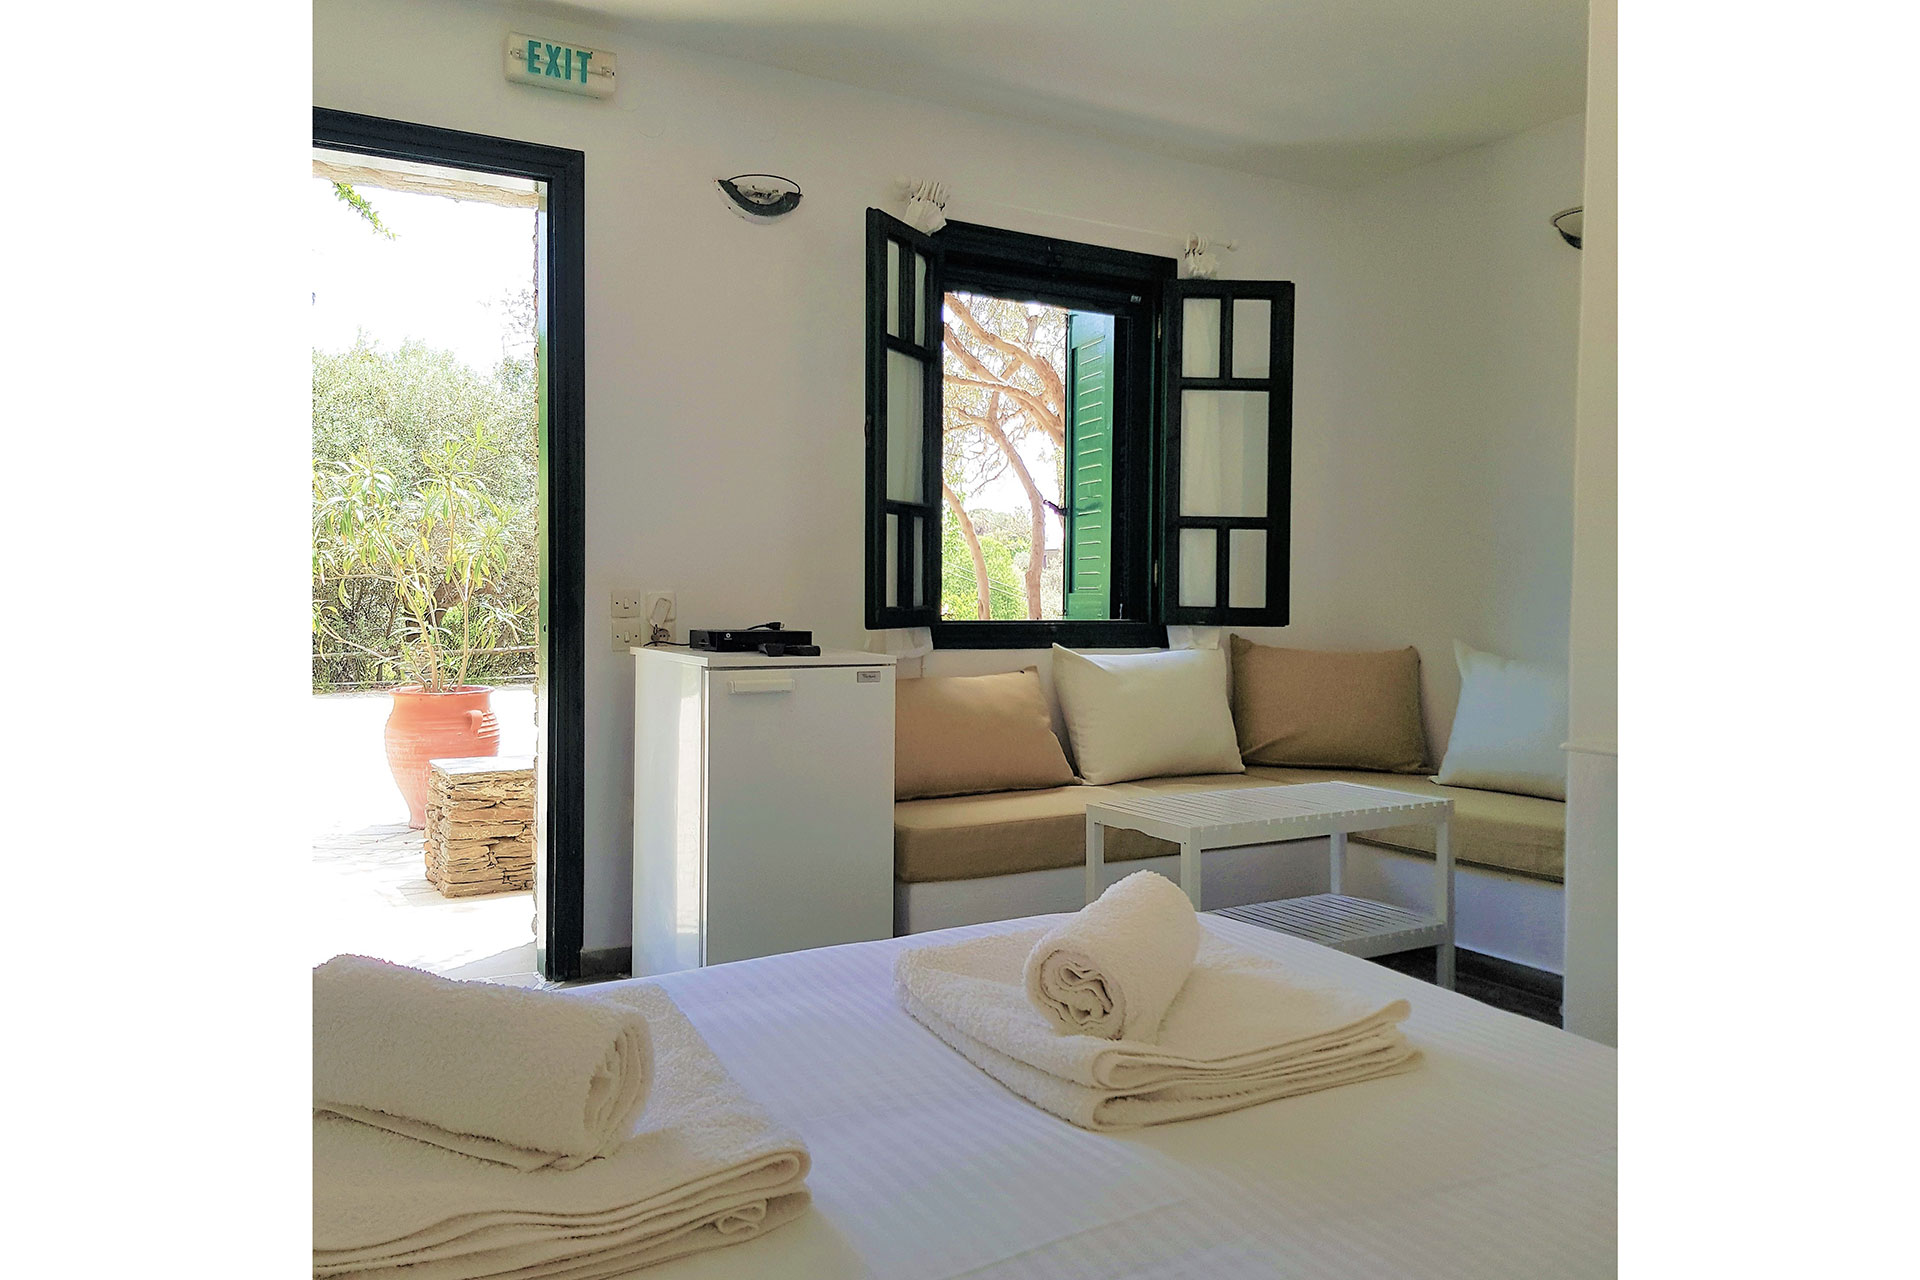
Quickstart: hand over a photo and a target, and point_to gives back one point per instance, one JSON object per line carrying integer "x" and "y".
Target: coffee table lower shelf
{"x": 1357, "y": 926}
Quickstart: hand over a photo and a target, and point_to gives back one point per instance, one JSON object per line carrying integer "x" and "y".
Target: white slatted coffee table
{"x": 1203, "y": 820}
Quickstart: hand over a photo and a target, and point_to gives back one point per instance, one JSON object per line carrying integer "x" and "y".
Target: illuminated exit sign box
{"x": 550, "y": 64}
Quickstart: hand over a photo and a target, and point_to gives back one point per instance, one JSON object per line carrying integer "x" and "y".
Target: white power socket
{"x": 659, "y": 612}
{"x": 629, "y": 633}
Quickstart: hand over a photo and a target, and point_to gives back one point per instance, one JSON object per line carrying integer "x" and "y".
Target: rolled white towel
{"x": 1112, "y": 969}
{"x": 531, "y": 1079}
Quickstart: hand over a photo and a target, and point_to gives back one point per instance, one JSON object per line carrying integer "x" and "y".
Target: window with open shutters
{"x": 1146, "y": 419}
{"x": 1227, "y": 424}
{"x": 903, "y": 424}
{"x": 1089, "y": 469}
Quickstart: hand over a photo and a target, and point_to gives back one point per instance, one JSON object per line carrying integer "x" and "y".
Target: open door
{"x": 560, "y": 634}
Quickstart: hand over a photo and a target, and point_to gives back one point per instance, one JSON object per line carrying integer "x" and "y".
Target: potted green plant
{"x": 442, "y": 551}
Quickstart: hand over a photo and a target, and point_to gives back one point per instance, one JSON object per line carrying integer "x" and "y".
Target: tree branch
{"x": 1044, "y": 415}
{"x": 1037, "y": 410}
{"x": 982, "y": 590}
{"x": 1036, "y": 505}
{"x": 1050, "y": 384}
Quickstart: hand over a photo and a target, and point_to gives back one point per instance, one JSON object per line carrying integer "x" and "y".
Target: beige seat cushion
{"x": 957, "y": 735}
{"x": 1526, "y": 834}
{"x": 968, "y": 837}
{"x": 1311, "y": 709}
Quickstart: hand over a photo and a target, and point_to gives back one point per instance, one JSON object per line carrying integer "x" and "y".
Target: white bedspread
{"x": 1495, "y": 1159}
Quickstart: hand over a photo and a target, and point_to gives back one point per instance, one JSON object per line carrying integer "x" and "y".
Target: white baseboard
{"x": 1496, "y": 913}
{"x": 1512, "y": 917}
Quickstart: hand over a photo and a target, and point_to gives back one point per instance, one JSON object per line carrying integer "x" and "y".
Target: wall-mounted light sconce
{"x": 759, "y": 196}
{"x": 1569, "y": 223}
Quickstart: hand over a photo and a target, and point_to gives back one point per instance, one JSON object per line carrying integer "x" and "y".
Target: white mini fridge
{"x": 762, "y": 804}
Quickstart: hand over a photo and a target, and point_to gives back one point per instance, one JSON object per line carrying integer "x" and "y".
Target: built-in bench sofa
{"x": 972, "y": 858}
{"x": 966, "y": 859}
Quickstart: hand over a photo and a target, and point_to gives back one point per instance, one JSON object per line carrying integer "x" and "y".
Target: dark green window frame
{"x": 1144, "y": 524}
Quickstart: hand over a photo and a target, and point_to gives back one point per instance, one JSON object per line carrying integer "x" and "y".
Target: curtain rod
{"x": 1182, "y": 238}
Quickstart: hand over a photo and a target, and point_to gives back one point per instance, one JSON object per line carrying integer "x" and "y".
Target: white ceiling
{"x": 1331, "y": 92}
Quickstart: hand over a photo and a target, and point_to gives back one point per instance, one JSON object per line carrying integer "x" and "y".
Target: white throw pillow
{"x": 1509, "y": 729}
{"x": 1147, "y": 715}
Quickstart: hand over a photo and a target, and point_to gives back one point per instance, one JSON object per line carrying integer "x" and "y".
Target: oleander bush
{"x": 425, "y": 498}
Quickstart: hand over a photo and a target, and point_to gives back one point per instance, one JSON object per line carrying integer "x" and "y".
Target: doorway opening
{"x": 445, "y": 731}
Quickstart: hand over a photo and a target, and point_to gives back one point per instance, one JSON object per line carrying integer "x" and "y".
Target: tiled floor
{"x": 369, "y": 885}
{"x": 1530, "y": 993}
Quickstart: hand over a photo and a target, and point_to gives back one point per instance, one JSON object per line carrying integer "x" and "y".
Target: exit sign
{"x": 549, "y": 64}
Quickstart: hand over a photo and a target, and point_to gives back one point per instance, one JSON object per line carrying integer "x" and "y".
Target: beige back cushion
{"x": 959, "y": 735}
{"x": 1315, "y": 710}
{"x": 1146, "y": 715}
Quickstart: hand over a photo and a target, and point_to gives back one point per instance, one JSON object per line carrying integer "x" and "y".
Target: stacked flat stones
{"x": 480, "y": 825}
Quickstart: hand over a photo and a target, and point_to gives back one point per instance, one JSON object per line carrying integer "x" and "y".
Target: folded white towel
{"x": 1113, "y": 968}
{"x": 705, "y": 1167}
{"x": 1243, "y": 1030}
{"x": 530, "y": 1079}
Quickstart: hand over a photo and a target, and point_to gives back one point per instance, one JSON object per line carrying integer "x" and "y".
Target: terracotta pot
{"x": 436, "y": 726}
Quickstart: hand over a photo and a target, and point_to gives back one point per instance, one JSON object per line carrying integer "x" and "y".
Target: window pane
{"x": 1252, "y": 337}
{"x": 891, "y": 592}
{"x": 1247, "y": 567}
{"x": 893, "y": 287}
{"x": 919, "y": 563}
{"x": 1200, "y": 338}
{"x": 1199, "y": 569}
{"x": 906, "y": 428}
{"x": 1223, "y": 453}
{"x": 920, "y": 298}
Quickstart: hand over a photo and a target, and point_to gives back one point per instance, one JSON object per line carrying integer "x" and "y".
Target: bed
{"x": 1493, "y": 1159}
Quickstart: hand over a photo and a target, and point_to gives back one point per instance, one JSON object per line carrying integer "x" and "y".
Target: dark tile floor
{"x": 1531, "y": 993}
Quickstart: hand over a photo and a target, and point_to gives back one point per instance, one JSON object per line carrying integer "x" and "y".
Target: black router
{"x": 769, "y": 637}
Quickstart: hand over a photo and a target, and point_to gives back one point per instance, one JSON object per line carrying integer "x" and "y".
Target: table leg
{"x": 1336, "y": 860}
{"x": 1443, "y": 899}
{"x": 1190, "y": 870}
{"x": 1096, "y": 856}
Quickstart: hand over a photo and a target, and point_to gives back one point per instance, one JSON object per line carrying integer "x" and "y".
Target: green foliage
{"x": 1004, "y": 545}
{"x": 424, "y": 523}
{"x": 359, "y": 205}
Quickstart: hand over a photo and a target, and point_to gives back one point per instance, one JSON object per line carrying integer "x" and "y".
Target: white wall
{"x": 1434, "y": 345}
{"x": 724, "y": 360}
{"x": 1433, "y": 463}
{"x": 1434, "y": 499}
{"x": 1590, "y": 1002}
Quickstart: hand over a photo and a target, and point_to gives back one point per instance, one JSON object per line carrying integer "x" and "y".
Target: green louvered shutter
{"x": 1089, "y": 557}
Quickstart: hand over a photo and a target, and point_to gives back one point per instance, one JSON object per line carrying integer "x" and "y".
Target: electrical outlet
{"x": 626, "y": 603}
{"x": 629, "y": 633}
{"x": 659, "y": 611}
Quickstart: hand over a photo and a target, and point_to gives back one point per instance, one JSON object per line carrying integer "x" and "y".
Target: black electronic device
{"x": 779, "y": 649}
{"x": 752, "y": 640}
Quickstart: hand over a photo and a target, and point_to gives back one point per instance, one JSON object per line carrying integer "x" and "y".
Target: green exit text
{"x": 558, "y": 61}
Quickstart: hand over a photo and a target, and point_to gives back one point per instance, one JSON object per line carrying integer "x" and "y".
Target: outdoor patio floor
{"x": 370, "y": 891}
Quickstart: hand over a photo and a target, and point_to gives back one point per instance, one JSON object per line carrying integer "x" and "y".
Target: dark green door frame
{"x": 560, "y": 677}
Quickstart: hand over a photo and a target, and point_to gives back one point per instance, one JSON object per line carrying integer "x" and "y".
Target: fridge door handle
{"x": 760, "y": 684}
